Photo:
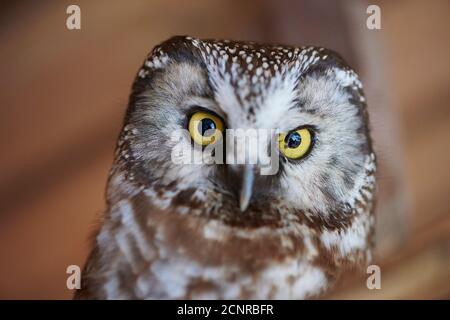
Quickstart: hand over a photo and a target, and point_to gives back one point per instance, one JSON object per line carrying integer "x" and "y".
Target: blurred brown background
{"x": 64, "y": 94}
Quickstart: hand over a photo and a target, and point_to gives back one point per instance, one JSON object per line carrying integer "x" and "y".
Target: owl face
{"x": 180, "y": 228}
{"x": 307, "y": 100}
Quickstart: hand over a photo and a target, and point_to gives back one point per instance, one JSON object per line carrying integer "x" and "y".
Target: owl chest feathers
{"x": 146, "y": 251}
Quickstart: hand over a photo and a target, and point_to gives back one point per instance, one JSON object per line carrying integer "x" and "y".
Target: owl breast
{"x": 150, "y": 252}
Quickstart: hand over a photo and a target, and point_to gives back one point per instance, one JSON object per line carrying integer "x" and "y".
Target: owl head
{"x": 306, "y": 102}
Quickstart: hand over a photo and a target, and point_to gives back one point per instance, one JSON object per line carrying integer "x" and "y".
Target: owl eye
{"x": 295, "y": 144}
{"x": 205, "y": 128}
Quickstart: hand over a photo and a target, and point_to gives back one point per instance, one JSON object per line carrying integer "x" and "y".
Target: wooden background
{"x": 64, "y": 93}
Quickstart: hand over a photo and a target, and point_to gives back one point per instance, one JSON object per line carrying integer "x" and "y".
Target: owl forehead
{"x": 249, "y": 74}
{"x": 247, "y": 78}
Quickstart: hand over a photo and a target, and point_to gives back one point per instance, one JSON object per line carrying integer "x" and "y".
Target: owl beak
{"x": 248, "y": 177}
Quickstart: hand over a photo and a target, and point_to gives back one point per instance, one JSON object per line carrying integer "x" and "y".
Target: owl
{"x": 223, "y": 229}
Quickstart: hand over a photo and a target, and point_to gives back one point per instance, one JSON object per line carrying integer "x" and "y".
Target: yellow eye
{"x": 295, "y": 144}
{"x": 205, "y": 128}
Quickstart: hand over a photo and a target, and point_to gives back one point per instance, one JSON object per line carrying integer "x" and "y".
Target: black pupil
{"x": 207, "y": 127}
{"x": 293, "y": 140}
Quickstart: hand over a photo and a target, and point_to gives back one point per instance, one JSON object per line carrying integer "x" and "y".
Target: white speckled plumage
{"x": 174, "y": 230}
